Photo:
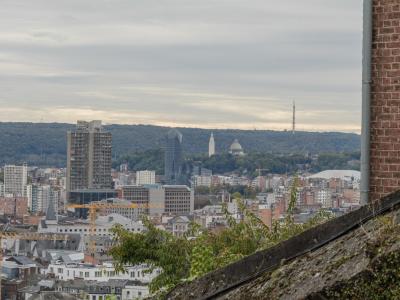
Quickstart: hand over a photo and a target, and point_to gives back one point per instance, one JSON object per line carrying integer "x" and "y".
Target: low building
{"x": 63, "y": 256}
{"x": 265, "y": 213}
{"x": 199, "y": 180}
{"x": 170, "y": 199}
{"x": 102, "y": 226}
{"x": 86, "y": 196}
{"x": 179, "y": 199}
{"x": 151, "y": 195}
{"x": 99, "y": 273}
{"x": 20, "y": 267}
{"x": 14, "y": 206}
{"x": 179, "y": 225}
{"x": 121, "y": 207}
{"x": 135, "y": 290}
{"x": 93, "y": 290}
{"x": 145, "y": 177}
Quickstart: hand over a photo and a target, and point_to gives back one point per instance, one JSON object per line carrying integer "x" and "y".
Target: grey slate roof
{"x": 22, "y": 260}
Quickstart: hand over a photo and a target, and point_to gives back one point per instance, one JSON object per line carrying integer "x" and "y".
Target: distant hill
{"x": 45, "y": 143}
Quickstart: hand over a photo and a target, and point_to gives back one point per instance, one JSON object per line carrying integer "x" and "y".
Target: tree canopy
{"x": 44, "y": 144}
{"x": 248, "y": 165}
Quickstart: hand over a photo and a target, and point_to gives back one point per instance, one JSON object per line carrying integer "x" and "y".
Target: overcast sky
{"x": 191, "y": 63}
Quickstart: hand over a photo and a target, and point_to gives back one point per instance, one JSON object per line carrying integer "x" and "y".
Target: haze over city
{"x": 225, "y": 64}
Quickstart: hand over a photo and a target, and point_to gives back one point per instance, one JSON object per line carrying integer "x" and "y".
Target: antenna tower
{"x": 294, "y": 118}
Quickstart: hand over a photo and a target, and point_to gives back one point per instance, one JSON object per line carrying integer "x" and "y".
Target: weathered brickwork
{"x": 385, "y": 103}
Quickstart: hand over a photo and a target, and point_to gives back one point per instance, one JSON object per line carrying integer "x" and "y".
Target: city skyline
{"x": 185, "y": 64}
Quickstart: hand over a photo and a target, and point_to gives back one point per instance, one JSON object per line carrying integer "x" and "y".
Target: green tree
{"x": 158, "y": 249}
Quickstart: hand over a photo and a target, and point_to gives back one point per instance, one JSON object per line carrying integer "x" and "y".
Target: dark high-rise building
{"x": 88, "y": 157}
{"x": 173, "y": 157}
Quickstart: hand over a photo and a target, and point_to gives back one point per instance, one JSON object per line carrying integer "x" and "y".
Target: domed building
{"x": 236, "y": 149}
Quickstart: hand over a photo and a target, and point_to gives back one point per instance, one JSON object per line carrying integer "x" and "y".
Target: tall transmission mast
{"x": 294, "y": 118}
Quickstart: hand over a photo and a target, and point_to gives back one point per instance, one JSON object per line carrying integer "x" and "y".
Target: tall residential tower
{"x": 88, "y": 157}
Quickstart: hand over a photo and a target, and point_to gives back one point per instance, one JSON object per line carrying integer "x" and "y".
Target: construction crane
{"x": 26, "y": 236}
{"x": 96, "y": 206}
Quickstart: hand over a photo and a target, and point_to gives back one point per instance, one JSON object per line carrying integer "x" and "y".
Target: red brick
{"x": 385, "y": 102}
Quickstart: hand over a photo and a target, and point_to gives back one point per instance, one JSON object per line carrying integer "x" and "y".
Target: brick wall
{"x": 385, "y": 102}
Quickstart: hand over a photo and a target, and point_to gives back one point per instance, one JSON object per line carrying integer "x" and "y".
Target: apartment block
{"x": 179, "y": 199}
{"x": 41, "y": 197}
{"x": 88, "y": 157}
{"x": 15, "y": 180}
{"x": 171, "y": 199}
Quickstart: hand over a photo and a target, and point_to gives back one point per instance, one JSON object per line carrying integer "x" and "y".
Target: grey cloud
{"x": 215, "y": 56}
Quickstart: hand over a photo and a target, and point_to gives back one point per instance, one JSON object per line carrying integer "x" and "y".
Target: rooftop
{"x": 342, "y": 174}
{"x": 22, "y": 260}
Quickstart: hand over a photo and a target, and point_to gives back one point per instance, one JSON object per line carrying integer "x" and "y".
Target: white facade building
{"x": 1, "y": 189}
{"x": 134, "y": 292}
{"x": 28, "y": 193}
{"x": 41, "y": 195}
{"x": 103, "y": 226}
{"x": 202, "y": 181}
{"x": 122, "y": 180}
{"x": 324, "y": 197}
{"x": 15, "y": 180}
{"x": 145, "y": 177}
{"x": 99, "y": 273}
